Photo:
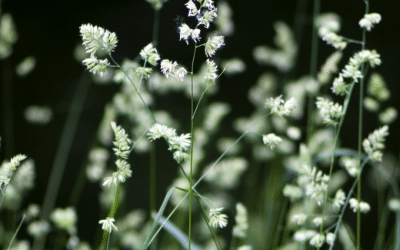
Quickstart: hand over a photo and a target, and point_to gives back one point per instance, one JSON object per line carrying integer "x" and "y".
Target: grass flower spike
{"x": 218, "y": 219}
{"x": 96, "y": 38}
{"x": 213, "y": 45}
{"x": 95, "y": 65}
{"x": 108, "y": 224}
{"x": 280, "y": 107}
{"x": 271, "y": 140}
{"x": 369, "y": 20}
{"x": 149, "y": 54}
{"x": 374, "y": 143}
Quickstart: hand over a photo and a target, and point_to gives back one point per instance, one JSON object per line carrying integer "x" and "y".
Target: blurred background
{"x": 49, "y": 32}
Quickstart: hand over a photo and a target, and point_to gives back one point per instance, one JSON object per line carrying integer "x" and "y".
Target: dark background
{"x": 49, "y": 31}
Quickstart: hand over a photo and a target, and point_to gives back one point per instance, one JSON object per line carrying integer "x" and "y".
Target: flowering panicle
{"x": 15, "y": 162}
{"x": 271, "y": 140}
{"x": 211, "y": 75}
{"x": 149, "y": 54}
{"x": 169, "y": 68}
{"x": 280, "y": 107}
{"x": 122, "y": 149}
{"x": 374, "y": 143}
{"x": 95, "y": 65}
{"x": 339, "y": 200}
{"x": 330, "y": 112}
{"x": 240, "y": 229}
{"x": 369, "y": 20}
{"x": 218, "y": 219}
{"x": 122, "y": 142}
{"x": 177, "y": 144}
{"x": 362, "y": 206}
{"x": 186, "y": 33}
{"x": 213, "y": 44}
{"x": 108, "y": 224}
{"x": 95, "y": 38}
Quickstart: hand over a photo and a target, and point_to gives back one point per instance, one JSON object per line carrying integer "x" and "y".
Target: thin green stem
{"x": 16, "y": 232}
{"x": 229, "y": 148}
{"x": 360, "y": 127}
{"x": 337, "y": 133}
{"x": 136, "y": 89}
{"x": 191, "y": 149}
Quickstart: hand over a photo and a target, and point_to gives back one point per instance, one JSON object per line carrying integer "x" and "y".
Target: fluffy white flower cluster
{"x": 329, "y": 111}
{"x": 205, "y": 12}
{"x": 271, "y": 140}
{"x": 149, "y": 54}
{"x": 280, "y": 107}
{"x": 122, "y": 149}
{"x": 314, "y": 182}
{"x": 362, "y": 206}
{"x": 10, "y": 168}
{"x": 240, "y": 229}
{"x": 211, "y": 75}
{"x": 352, "y": 70}
{"x": 335, "y": 40}
{"x": 177, "y": 144}
{"x": 96, "y": 38}
{"x": 108, "y": 224}
{"x": 374, "y": 143}
{"x": 369, "y": 20}
{"x": 65, "y": 219}
{"x": 169, "y": 68}
{"x": 218, "y": 219}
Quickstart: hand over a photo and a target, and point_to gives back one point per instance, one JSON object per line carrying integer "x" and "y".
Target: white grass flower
{"x": 122, "y": 143}
{"x": 317, "y": 221}
{"x": 149, "y": 53}
{"x": 335, "y": 40}
{"x": 374, "y": 143}
{"x": 4, "y": 180}
{"x": 339, "y": 86}
{"x": 329, "y": 111}
{"x": 213, "y": 44}
{"x": 339, "y": 200}
{"x": 65, "y": 218}
{"x": 143, "y": 72}
{"x": 240, "y": 229}
{"x": 211, "y": 72}
{"x": 158, "y": 131}
{"x": 168, "y": 67}
{"x": 95, "y": 38}
{"x": 369, "y": 20}
{"x": 304, "y": 235}
{"x": 318, "y": 240}
{"x": 157, "y": 4}
{"x": 180, "y": 143}
{"x": 280, "y": 107}
{"x": 330, "y": 238}
{"x": 180, "y": 73}
{"x": 95, "y": 65}
{"x": 38, "y": 228}
{"x": 26, "y": 66}
{"x": 206, "y": 18}
{"x": 271, "y": 140}
{"x": 362, "y": 206}
{"x": 185, "y": 33}
{"x": 394, "y": 204}
{"x": 192, "y": 8}
{"x": 217, "y": 219}
{"x": 14, "y": 163}
{"x": 293, "y": 192}
{"x": 350, "y": 164}
{"x": 108, "y": 224}
{"x": 299, "y": 219}
{"x": 388, "y": 116}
